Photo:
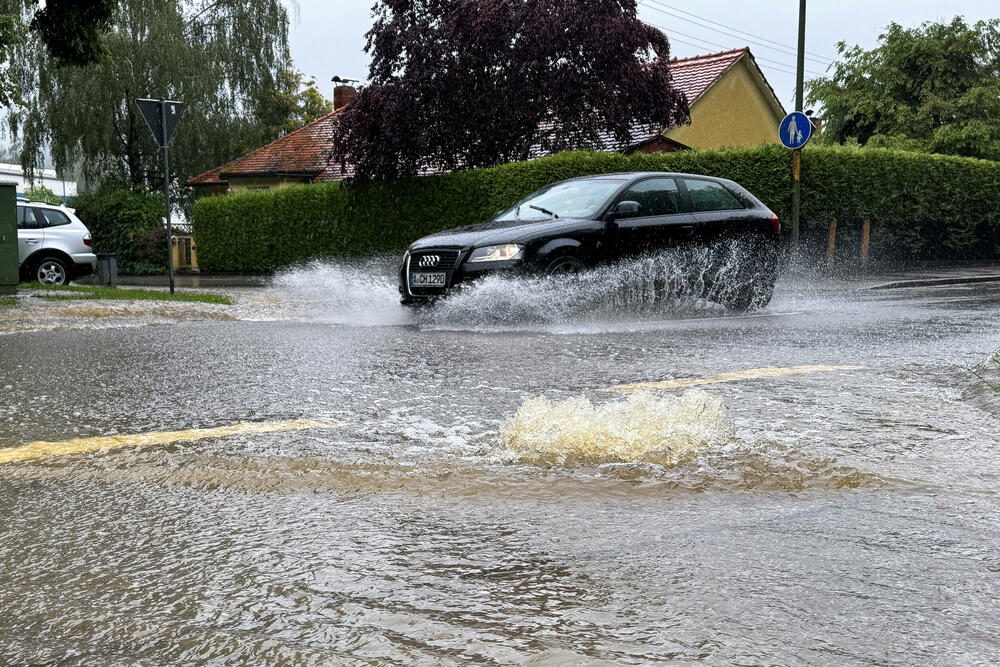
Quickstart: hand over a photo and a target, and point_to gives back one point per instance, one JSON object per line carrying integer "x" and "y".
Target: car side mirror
{"x": 625, "y": 209}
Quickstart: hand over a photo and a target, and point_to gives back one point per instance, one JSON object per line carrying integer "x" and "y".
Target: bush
{"x": 128, "y": 223}
{"x": 43, "y": 194}
{"x": 921, "y": 206}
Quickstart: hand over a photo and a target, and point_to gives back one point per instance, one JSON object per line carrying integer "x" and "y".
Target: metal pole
{"x": 866, "y": 242}
{"x": 831, "y": 245}
{"x": 166, "y": 193}
{"x": 799, "y": 93}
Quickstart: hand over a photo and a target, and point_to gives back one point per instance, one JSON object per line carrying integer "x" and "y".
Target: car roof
{"x": 633, "y": 175}
{"x": 30, "y": 202}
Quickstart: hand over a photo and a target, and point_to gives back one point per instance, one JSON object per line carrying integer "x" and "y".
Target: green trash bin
{"x": 8, "y": 238}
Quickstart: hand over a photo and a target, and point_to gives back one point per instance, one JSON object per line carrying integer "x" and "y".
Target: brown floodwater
{"x": 513, "y": 478}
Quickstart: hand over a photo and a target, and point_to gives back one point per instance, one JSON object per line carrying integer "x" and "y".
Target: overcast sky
{"x": 327, "y": 36}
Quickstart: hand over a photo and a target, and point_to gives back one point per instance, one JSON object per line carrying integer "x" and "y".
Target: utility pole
{"x": 797, "y": 155}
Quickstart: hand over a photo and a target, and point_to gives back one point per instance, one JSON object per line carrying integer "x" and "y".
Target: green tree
{"x": 69, "y": 29}
{"x": 214, "y": 55}
{"x": 42, "y": 193}
{"x": 129, "y": 223}
{"x": 290, "y": 104}
{"x": 935, "y": 88}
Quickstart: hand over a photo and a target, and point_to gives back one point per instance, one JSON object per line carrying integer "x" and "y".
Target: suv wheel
{"x": 51, "y": 271}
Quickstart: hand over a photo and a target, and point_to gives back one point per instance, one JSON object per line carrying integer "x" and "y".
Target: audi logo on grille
{"x": 430, "y": 261}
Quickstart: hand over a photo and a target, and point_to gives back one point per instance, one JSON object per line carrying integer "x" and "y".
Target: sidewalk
{"x": 186, "y": 281}
{"x": 952, "y": 273}
{"x": 927, "y": 274}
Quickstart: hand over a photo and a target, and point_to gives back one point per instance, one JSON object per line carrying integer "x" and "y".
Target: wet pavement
{"x": 521, "y": 475}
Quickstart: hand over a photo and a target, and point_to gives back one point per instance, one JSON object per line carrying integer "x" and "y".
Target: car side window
{"x": 26, "y": 218}
{"x": 657, "y": 196}
{"x": 53, "y": 218}
{"x": 711, "y": 196}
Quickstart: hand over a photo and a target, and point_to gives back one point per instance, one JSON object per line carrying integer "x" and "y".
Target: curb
{"x": 930, "y": 282}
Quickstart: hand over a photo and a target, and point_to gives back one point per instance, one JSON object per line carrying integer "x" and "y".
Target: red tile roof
{"x": 694, "y": 76}
{"x": 210, "y": 177}
{"x": 304, "y": 152}
{"x": 307, "y": 151}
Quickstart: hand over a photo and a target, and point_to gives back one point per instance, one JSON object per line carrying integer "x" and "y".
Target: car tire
{"x": 564, "y": 265}
{"x": 51, "y": 271}
{"x": 754, "y": 282}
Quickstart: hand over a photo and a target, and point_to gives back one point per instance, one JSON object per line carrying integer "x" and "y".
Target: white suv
{"x": 53, "y": 246}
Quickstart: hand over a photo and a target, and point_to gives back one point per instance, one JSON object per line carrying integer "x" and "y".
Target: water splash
{"x": 665, "y": 430}
{"x": 360, "y": 293}
{"x": 680, "y": 282}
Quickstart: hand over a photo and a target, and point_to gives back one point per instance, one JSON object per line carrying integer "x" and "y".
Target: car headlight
{"x": 498, "y": 253}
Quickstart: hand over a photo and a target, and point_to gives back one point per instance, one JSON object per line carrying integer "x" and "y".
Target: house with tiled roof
{"x": 302, "y": 156}
{"x": 731, "y": 102}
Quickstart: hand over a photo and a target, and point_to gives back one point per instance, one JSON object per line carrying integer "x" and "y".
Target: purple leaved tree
{"x": 460, "y": 84}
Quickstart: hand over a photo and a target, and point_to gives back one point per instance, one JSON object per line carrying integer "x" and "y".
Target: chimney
{"x": 343, "y": 92}
{"x": 342, "y": 96}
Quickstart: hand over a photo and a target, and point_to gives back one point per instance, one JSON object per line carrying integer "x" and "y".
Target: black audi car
{"x": 574, "y": 225}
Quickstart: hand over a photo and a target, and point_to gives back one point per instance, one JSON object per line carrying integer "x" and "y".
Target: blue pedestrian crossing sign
{"x": 795, "y": 130}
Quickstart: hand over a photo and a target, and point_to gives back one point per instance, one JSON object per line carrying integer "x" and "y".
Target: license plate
{"x": 428, "y": 279}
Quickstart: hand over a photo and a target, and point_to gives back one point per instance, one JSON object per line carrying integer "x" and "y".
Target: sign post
{"x": 795, "y": 131}
{"x": 161, "y": 117}
{"x": 797, "y": 156}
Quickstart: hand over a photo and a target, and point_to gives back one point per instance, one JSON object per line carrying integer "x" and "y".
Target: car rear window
{"x": 711, "y": 196}
{"x": 53, "y": 218}
{"x": 26, "y": 218}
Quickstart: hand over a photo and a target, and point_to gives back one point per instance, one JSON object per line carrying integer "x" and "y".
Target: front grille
{"x": 432, "y": 261}
{"x": 422, "y": 260}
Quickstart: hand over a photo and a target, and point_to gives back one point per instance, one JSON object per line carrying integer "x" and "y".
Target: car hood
{"x": 494, "y": 233}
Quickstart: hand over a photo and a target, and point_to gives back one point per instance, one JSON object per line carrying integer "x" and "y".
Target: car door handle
{"x": 32, "y": 241}
{"x": 687, "y": 230}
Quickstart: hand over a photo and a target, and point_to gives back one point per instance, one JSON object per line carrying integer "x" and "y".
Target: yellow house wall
{"x": 734, "y": 112}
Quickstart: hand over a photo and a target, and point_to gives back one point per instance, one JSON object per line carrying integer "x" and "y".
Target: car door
{"x": 58, "y": 231}
{"x": 715, "y": 208}
{"x": 661, "y": 222}
{"x": 30, "y": 233}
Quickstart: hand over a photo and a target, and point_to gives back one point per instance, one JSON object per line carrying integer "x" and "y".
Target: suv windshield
{"x": 572, "y": 199}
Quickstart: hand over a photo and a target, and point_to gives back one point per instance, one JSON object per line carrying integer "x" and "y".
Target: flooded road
{"x": 522, "y": 476}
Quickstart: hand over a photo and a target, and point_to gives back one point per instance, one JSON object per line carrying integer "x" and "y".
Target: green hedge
{"x": 921, "y": 206}
{"x": 128, "y": 223}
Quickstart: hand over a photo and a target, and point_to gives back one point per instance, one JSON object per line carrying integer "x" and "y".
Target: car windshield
{"x": 571, "y": 199}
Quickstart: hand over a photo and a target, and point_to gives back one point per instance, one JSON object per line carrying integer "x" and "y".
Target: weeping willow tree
{"x": 69, "y": 29}
{"x": 217, "y": 56}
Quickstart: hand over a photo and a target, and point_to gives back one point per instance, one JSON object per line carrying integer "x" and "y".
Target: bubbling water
{"x": 647, "y": 428}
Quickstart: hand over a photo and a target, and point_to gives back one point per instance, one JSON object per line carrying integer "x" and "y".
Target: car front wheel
{"x": 564, "y": 266}
{"x": 52, "y": 271}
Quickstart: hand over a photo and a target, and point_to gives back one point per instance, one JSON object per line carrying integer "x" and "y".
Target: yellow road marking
{"x": 734, "y": 376}
{"x": 36, "y": 450}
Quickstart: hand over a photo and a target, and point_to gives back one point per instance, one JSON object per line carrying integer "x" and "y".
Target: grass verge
{"x": 75, "y": 292}
{"x": 7, "y": 302}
